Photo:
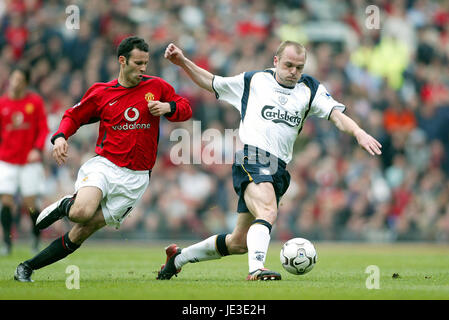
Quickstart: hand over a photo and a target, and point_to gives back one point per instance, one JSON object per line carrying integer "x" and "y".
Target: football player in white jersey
{"x": 273, "y": 105}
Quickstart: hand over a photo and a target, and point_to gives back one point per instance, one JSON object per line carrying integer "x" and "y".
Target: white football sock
{"x": 201, "y": 251}
{"x": 257, "y": 240}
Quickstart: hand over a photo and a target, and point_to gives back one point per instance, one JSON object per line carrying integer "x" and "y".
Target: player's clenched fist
{"x": 60, "y": 150}
{"x": 158, "y": 108}
{"x": 174, "y": 54}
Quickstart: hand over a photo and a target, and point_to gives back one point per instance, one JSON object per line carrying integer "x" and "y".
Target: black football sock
{"x": 34, "y": 213}
{"x": 57, "y": 250}
{"x": 6, "y": 219}
{"x": 221, "y": 245}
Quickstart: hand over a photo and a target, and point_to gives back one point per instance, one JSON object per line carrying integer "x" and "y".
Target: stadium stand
{"x": 394, "y": 80}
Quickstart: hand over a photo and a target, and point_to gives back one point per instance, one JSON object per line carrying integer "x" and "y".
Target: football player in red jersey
{"x": 23, "y": 130}
{"x": 110, "y": 184}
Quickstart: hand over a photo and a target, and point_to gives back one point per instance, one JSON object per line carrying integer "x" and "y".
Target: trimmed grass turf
{"x": 127, "y": 270}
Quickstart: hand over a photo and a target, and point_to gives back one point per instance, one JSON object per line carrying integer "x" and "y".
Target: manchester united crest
{"x": 149, "y": 96}
{"x": 29, "y": 108}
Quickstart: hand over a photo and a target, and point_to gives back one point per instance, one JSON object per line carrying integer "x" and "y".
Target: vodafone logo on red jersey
{"x": 133, "y": 111}
{"x": 132, "y": 114}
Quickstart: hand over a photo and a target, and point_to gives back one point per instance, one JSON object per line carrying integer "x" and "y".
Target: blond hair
{"x": 298, "y": 47}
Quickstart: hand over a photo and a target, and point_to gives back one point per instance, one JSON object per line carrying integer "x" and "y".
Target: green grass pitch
{"x": 127, "y": 270}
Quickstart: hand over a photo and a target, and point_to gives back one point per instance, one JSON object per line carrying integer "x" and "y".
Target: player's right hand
{"x": 174, "y": 54}
{"x": 60, "y": 150}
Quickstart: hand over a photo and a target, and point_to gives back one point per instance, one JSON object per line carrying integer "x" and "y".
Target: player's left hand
{"x": 34, "y": 156}
{"x": 158, "y": 108}
{"x": 368, "y": 143}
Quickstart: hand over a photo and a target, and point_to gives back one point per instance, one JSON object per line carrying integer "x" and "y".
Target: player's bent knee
{"x": 80, "y": 214}
{"x": 268, "y": 215}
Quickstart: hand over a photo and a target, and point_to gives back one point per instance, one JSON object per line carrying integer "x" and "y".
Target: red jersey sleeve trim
{"x": 182, "y": 111}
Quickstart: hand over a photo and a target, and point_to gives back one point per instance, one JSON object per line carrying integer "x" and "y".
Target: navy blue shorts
{"x": 256, "y": 165}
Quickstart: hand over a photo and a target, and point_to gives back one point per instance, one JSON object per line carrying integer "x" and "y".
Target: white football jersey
{"x": 272, "y": 115}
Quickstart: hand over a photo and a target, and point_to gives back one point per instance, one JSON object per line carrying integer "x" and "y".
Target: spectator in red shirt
{"x": 16, "y": 34}
{"x": 110, "y": 184}
{"x": 23, "y": 130}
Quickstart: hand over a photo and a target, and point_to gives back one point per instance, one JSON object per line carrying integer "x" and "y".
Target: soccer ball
{"x": 298, "y": 256}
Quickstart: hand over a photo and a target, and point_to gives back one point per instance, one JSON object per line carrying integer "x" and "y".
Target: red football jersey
{"x": 129, "y": 133}
{"x": 23, "y": 127}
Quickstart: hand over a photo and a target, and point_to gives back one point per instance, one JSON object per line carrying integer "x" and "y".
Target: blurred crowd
{"x": 387, "y": 61}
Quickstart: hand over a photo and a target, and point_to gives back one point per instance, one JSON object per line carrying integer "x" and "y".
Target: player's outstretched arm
{"x": 200, "y": 76}
{"x": 346, "y": 124}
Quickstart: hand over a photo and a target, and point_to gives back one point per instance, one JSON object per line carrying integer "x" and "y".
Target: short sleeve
{"x": 229, "y": 89}
{"x": 323, "y": 103}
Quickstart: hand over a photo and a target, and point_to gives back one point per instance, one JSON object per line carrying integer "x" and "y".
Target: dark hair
{"x": 23, "y": 70}
{"x": 128, "y": 44}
